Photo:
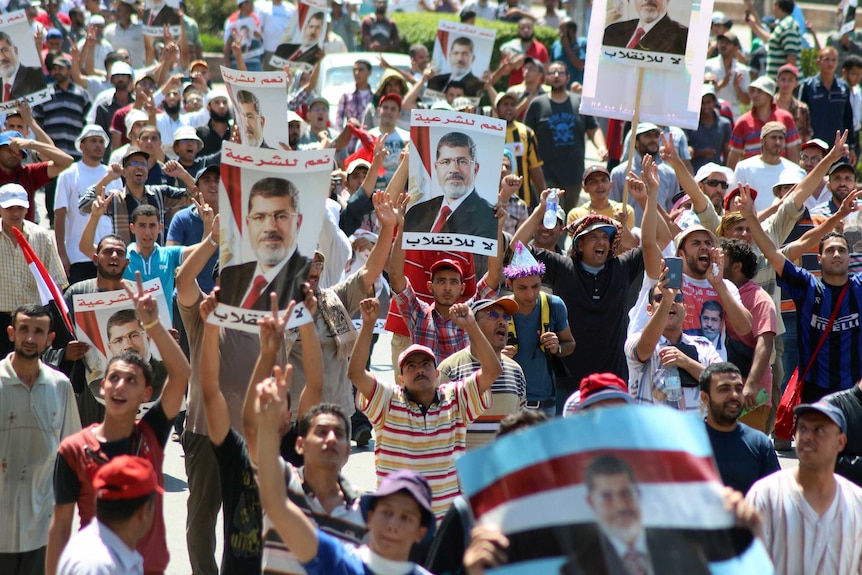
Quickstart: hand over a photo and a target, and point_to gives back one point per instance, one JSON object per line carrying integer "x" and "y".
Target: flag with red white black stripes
{"x": 629, "y": 489}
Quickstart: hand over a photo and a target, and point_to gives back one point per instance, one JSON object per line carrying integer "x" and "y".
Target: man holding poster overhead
{"x": 273, "y": 222}
{"x": 652, "y": 31}
{"x": 460, "y": 209}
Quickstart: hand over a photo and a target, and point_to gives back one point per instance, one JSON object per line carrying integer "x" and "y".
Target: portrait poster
{"x": 462, "y": 53}
{"x": 547, "y": 489}
{"x": 248, "y": 33}
{"x": 848, "y": 16}
{"x": 21, "y": 73}
{"x": 672, "y": 81}
{"x": 304, "y": 36}
{"x": 161, "y": 13}
{"x": 258, "y": 102}
{"x": 273, "y": 206}
{"x": 108, "y": 323}
{"x": 454, "y": 178}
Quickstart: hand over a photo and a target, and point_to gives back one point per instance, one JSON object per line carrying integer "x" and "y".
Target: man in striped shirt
{"x": 510, "y": 390}
{"x": 812, "y": 521}
{"x": 419, "y": 425}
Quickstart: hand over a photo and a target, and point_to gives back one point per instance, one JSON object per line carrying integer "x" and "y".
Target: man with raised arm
{"x": 127, "y": 384}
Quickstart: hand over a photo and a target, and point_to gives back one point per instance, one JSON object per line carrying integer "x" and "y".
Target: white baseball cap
{"x": 14, "y": 195}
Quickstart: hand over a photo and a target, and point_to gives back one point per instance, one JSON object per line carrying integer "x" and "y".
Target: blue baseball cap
{"x": 827, "y": 409}
{"x": 6, "y": 139}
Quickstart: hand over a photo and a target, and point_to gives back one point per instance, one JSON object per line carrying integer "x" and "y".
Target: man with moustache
{"x": 251, "y": 122}
{"x": 460, "y": 209}
{"x": 461, "y": 58}
{"x": 653, "y": 30}
{"x": 840, "y": 182}
{"x": 273, "y": 223}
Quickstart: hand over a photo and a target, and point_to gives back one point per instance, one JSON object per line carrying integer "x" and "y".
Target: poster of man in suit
{"x": 462, "y": 53}
{"x": 574, "y": 500}
{"x": 258, "y": 102}
{"x": 161, "y": 13}
{"x": 650, "y": 26}
{"x": 108, "y": 323}
{"x": 21, "y": 73}
{"x": 274, "y": 206}
{"x": 454, "y": 179}
{"x": 304, "y": 36}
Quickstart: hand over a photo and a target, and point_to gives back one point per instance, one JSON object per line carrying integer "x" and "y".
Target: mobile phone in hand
{"x": 674, "y": 272}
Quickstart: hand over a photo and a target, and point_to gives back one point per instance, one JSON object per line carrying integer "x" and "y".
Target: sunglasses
{"x": 678, "y": 298}
{"x": 715, "y": 183}
{"x": 495, "y": 315}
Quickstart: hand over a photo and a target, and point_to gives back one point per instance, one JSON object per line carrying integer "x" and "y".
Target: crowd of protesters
{"x": 757, "y": 206}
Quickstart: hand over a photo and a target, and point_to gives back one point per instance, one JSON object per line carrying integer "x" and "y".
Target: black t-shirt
{"x": 243, "y": 547}
{"x": 67, "y": 486}
{"x": 597, "y": 306}
{"x": 560, "y": 131}
{"x": 743, "y": 455}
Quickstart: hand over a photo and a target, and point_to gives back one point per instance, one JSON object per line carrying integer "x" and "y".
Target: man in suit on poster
{"x": 461, "y": 58}
{"x": 460, "y": 210}
{"x": 652, "y": 31}
{"x": 622, "y": 545}
{"x": 17, "y": 80}
{"x": 272, "y": 225}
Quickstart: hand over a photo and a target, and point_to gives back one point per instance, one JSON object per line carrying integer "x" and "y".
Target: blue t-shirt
{"x": 531, "y": 358}
{"x": 743, "y": 455}
{"x": 161, "y": 264}
{"x": 187, "y": 229}
{"x": 336, "y": 558}
{"x": 839, "y": 363}
{"x": 558, "y": 54}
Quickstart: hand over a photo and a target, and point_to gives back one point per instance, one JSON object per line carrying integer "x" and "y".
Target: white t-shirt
{"x": 761, "y": 176}
{"x": 800, "y": 541}
{"x": 273, "y": 22}
{"x": 72, "y": 184}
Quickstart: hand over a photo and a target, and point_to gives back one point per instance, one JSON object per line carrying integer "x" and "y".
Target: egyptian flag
{"x": 49, "y": 294}
{"x": 532, "y": 485}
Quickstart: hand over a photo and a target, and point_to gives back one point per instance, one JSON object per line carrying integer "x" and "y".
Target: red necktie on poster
{"x": 639, "y": 33}
{"x": 636, "y": 562}
{"x": 441, "y": 219}
{"x": 256, "y": 289}
{"x": 7, "y": 91}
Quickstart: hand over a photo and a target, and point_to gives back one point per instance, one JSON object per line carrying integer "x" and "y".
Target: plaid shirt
{"x": 352, "y": 105}
{"x": 427, "y": 327}
{"x": 17, "y": 283}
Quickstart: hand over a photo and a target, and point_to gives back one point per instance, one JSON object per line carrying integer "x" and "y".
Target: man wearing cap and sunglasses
{"x": 126, "y": 491}
{"x": 812, "y": 517}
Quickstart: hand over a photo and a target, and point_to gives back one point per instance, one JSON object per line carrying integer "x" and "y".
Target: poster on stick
{"x": 573, "y": 499}
{"x": 108, "y": 323}
{"x": 454, "y": 178}
{"x": 273, "y": 204}
{"x": 258, "y": 103}
{"x": 665, "y": 41}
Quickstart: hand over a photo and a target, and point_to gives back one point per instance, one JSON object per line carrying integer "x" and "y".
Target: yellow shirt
{"x": 579, "y": 212}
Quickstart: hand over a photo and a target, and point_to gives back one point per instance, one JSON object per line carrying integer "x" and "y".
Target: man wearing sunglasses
{"x": 662, "y": 348}
{"x": 510, "y": 389}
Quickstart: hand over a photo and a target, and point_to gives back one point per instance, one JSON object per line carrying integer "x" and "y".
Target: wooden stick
{"x": 635, "y": 122}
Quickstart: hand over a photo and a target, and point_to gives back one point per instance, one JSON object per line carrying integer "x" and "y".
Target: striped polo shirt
{"x": 425, "y": 440}
{"x": 509, "y": 393}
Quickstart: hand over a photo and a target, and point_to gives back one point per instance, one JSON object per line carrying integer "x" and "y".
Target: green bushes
{"x": 210, "y": 15}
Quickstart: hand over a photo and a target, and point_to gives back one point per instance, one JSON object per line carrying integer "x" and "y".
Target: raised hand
{"x": 745, "y": 203}
{"x": 272, "y": 326}
{"x": 668, "y": 151}
{"x": 403, "y": 201}
{"x": 461, "y": 315}
{"x": 209, "y": 304}
{"x": 715, "y": 271}
{"x": 370, "y": 310}
{"x": 649, "y": 173}
{"x": 383, "y": 209}
{"x": 508, "y": 186}
{"x": 146, "y": 306}
{"x": 839, "y": 149}
{"x": 100, "y": 204}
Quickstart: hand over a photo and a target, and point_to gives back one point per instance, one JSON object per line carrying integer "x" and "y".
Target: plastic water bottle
{"x": 672, "y": 383}
{"x": 550, "y": 219}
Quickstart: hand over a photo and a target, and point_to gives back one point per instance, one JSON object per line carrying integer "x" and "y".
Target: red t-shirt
{"x": 118, "y": 123}
{"x": 32, "y": 177}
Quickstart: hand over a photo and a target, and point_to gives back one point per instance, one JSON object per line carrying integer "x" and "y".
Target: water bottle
{"x": 550, "y": 219}
{"x": 672, "y": 383}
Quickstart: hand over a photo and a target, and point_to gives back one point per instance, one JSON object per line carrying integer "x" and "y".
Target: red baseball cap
{"x": 126, "y": 477}
{"x": 601, "y": 386}
{"x": 415, "y": 348}
{"x": 735, "y": 192}
{"x": 394, "y": 97}
{"x": 447, "y": 263}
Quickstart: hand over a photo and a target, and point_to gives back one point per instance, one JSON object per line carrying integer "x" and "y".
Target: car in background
{"x": 336, "y": 74}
